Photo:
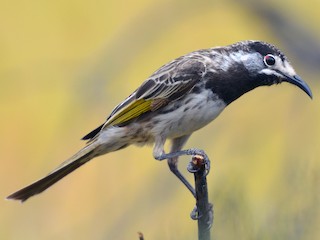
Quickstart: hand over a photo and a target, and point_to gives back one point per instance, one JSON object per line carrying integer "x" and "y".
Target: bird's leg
{"x": 173, "y": 164}
{"x": 191, "y": 151}
{"x": 173, "y": 156}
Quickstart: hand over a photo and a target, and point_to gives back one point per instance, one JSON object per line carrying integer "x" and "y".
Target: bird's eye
{"x": 269, "y": 60}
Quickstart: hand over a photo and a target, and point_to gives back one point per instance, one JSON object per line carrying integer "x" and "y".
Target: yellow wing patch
{"x": 133, "y": 110}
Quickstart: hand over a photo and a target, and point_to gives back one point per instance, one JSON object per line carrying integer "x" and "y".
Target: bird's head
{"x": 269, "y": 65}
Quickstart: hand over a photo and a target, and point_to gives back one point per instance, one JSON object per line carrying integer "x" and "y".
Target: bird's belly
{"x": 191, "y": 114}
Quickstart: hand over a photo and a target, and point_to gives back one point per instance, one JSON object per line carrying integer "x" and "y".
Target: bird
{"x": 178, "y": 99}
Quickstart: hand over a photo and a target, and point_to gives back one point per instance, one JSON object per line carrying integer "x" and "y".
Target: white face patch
{"x": 288, "y": 69}
{"x": 270, "y": 72}
{"x": 278, "y": 68}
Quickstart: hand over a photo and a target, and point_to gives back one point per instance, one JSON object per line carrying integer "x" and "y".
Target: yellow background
{"x": 65, "y": 64}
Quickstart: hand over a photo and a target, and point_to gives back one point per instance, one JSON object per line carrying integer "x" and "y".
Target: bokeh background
{"x": 65, "y": 64}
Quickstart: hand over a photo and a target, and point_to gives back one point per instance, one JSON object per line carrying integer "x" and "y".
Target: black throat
{"x": 230, "y": 85}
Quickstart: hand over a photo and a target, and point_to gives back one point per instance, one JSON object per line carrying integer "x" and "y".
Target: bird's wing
{"x": 170, "y": 82}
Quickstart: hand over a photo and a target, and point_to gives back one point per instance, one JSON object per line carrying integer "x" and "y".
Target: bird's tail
{"x": 80, "y": 158}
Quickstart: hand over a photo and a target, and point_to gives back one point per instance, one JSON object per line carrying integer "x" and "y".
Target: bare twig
{"x": 140, "y": 236}
{"x": 203, "y": 211}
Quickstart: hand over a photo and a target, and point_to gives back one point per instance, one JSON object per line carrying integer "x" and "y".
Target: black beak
{"x": 296, "y": 80}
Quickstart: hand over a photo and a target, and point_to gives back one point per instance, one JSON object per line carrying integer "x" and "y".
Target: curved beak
{"x": 296, "y": 80}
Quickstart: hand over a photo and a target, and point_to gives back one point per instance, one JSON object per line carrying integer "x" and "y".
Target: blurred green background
{"x": 64, "y": 65}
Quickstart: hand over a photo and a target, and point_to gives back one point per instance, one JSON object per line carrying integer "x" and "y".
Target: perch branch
{"x": 203, "y": 211}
